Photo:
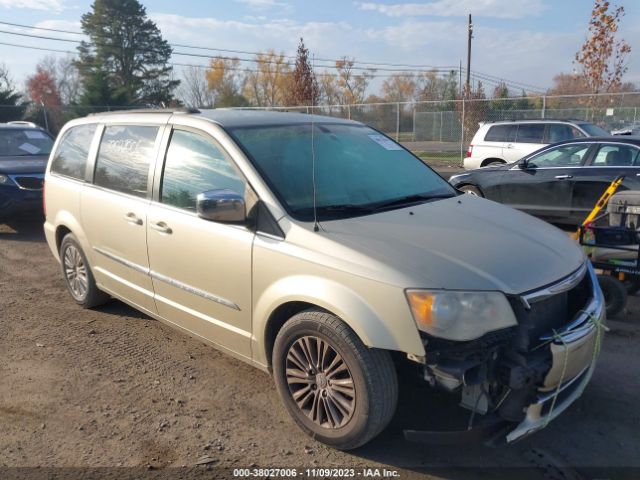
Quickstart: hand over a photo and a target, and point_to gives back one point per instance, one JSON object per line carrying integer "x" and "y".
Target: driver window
{"x": 195, "y": 164}
{"x": 563, "y": 156}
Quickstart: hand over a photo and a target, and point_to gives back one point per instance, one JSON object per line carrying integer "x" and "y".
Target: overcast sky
{"x": 527, "y": 41}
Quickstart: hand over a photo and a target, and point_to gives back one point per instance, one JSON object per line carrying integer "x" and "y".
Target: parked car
{"x": 24, "y": 150}
{"x": 505, "y": 142}
{"x": 560, "y": 183}
{"x": 632, "y": 129}
{"x": 321, "y": 251}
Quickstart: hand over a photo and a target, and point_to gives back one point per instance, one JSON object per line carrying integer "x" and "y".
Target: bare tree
{"x": 193, "y": 90}
{"x": 65, "y": 75}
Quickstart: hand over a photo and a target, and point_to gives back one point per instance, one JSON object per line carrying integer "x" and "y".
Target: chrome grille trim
{"x": 562, "y": 286}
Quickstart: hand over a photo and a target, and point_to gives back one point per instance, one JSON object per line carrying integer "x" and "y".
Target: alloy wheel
{"x": 76, "y": 273}
{"x": 320, "y": 382}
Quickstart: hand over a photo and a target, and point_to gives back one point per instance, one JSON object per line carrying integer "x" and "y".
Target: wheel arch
{"x": 487, "y": 161}
{"x": 292, "y": 295}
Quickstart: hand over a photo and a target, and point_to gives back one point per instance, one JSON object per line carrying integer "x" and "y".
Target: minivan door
{"x": 529, "y": 138}
{"x": 114, "y": 211}
{"x": 201, "y": 270}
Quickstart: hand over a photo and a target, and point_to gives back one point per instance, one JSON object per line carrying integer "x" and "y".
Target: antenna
{"x": 316, "y": 226}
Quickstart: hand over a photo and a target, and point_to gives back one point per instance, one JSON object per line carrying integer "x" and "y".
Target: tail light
{"x": 44, "y": 202}
{"x": 469, "y": 150}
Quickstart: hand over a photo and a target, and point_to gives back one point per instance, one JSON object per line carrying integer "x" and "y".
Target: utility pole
{"x": 469, "y": 37}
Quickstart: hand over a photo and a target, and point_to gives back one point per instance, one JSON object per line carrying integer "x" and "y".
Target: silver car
{"x": 321, "y": 251}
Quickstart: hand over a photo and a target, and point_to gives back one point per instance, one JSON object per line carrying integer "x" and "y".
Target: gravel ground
{"x": 113, "y": 388}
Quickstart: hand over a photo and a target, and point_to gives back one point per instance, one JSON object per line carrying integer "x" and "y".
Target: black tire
{"x": 89, "y": 296}
{"x": 615, "y": 294}
{"x": 632, "y": 286}
{"x": 370, "y": 371}
{"x": 471, "y": 190}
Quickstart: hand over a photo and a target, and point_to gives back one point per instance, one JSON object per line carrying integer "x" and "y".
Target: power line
{"x": 247, "y": 52}
{"x": 486, "y": 77}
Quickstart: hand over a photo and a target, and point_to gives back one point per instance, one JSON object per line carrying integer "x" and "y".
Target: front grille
{"x": 29, "y": 183}
{"x": 550, "y": 313}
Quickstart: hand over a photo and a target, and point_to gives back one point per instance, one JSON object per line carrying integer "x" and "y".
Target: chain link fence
{"x": 443, "y": 128}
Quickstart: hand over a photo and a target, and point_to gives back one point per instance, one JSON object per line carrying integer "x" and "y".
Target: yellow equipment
{"x": 600, "y": 204}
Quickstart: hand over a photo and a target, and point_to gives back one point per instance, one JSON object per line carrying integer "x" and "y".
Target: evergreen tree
{"x": 304, "y": 86}
{"x": 11, "y": 105}
{"x": 126, "y": 59}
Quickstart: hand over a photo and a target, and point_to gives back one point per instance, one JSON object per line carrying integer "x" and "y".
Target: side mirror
{"x": 522, "y": 163}
{"x": 221, "y": 205}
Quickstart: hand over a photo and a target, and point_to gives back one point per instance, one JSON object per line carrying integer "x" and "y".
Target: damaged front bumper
{"x": 524, "y": 376}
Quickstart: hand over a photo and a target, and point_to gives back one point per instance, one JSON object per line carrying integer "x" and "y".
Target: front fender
{"x": 386, "y": 325}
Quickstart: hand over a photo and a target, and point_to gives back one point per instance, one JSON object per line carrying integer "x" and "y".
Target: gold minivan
{"x": 321, "y": 251}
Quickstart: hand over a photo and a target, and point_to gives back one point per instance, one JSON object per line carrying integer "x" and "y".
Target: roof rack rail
{"x": 148, "y": 110}
{"x": 545, "y": 119}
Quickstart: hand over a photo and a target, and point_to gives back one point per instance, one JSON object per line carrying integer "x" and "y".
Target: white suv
{"x": 508, "y": 141}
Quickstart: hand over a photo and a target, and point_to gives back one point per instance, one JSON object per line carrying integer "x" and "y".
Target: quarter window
{"x": 530, "y": 133}
{"x": 195, "y": 164}
{"x": 563, "y": 156}
{"x": 70, "y": 158}
{"x": 617, "y": 156}
{"x": 124, "y": 157}
{"x": 557, "y": 132}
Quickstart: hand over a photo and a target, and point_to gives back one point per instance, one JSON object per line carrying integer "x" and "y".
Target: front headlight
{"x": 5, "y": 180}
{"x": 460, "y": 315}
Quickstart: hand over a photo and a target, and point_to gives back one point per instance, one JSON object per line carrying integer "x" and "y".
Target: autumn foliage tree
{"x": 225, "y": 83}
{"x": 42, "y": 88}
{"x": 303, "y": 89}
{"x": 267, "y": 85}
{"x": 602, "y": 58}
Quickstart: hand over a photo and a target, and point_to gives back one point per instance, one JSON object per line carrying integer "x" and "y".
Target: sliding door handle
{"x": 563, "y": 177}
{"x": 133, "y": 219}
{"x": 161, "y": 227}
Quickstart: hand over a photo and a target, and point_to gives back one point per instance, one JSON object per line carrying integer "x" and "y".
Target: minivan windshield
{"x": 358, "y": 171}
{"x": 19, "y": 143}
{"x": 594, "y": 130}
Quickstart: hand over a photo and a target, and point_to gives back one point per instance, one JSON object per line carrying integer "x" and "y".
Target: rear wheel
{"x": 493, "y": 163}
{"x": 338, "y": 391}
{"x": 471, "y": 190}
{"x": 615, "y": 294}
{"x": 78, "y": 275}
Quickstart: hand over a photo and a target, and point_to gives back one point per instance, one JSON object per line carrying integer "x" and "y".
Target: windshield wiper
{"x": 409, "y": 200}
{"x": 338, "y": 208}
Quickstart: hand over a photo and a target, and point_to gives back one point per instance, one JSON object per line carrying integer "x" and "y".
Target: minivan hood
{"x": 463, "y": 243}
{"x": 23, "y": 164}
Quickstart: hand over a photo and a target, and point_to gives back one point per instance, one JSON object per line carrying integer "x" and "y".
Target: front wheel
{"x": 338, "y": 391}
{"x": 471, "y": 190}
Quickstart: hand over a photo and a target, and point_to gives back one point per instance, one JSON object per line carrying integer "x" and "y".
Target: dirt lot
{"x": 112, "y": 388}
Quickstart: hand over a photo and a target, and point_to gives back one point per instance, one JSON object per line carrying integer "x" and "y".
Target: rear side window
{"x": 530, "y": 133}
{"x": 617, "y": 156}
{"x": 501, "y": 133}
{"x": 70, "y": 158}
{"x": 124, "y": 158}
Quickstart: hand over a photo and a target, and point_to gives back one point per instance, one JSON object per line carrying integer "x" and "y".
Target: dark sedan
{"x": 561, "y": 182}
{"x": 24, "y": 151}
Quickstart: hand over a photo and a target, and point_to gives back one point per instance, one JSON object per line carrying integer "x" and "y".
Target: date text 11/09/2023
{"x": 316, "y": 472}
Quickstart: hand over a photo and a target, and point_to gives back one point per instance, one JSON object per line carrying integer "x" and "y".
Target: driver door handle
{"x": 161, "y": 227}
{"x": 563, "y": 177}
{"x": 133, "y": 219}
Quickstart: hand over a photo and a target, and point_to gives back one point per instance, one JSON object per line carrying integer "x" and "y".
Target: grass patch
{"x": 443, "y": 158}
